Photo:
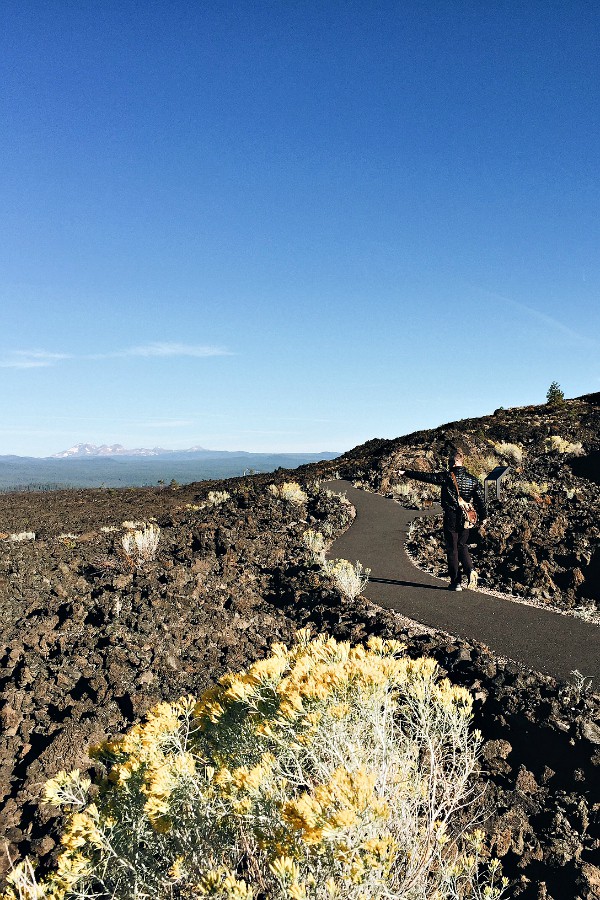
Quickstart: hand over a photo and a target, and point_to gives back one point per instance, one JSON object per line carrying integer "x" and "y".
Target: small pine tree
{"x": 555, "y": 396}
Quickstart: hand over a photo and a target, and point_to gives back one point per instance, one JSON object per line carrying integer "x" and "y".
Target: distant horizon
{"x": 173, "y": 450}
{"x": 46, "y": 473}
{"x": 270, "y": 452}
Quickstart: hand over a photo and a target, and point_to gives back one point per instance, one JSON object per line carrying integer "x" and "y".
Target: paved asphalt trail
{"x": 538, "y": 639}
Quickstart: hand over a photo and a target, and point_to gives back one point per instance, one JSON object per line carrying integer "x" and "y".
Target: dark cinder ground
{"x": 90, "y": 642}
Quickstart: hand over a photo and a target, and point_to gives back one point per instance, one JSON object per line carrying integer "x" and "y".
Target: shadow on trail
{"x": 538, "y": 639}
{"x": 416, "y": 584}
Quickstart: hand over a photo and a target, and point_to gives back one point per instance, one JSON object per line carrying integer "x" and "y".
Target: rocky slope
{"x": 542, "y": 541}
{"x": 91, "y": 640}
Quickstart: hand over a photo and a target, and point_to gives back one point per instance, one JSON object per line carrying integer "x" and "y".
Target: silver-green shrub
{"x": 350, "y": 580}
{"x": 289, "y": 491}
{"x": 512, "y": 452}
{"x": 314, "y": 543}
{"x": 556, "y": 444}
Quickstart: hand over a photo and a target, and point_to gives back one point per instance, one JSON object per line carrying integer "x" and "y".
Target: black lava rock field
{"x": 91, "y": 637}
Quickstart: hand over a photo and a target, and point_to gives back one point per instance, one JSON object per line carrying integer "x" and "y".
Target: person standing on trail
{"x": 454, "y": 482}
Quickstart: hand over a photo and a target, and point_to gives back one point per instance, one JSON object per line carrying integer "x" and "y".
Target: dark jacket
{"x": 469, "y": 487}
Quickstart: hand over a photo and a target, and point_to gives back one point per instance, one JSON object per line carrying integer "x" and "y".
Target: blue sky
{"x": 292, "y": 225}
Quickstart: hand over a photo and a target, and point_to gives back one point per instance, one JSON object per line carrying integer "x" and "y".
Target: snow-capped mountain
{"x": 112, "y": 451}
{"x": 81, "y": 451}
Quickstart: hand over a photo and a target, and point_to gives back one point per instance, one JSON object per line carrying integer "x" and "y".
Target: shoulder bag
{"x": 468, "y": 510}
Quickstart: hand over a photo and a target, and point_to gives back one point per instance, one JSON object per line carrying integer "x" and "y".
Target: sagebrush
{"x": 556, "y": 444}
{"x": 323, "y": 771}
{"x": 512, "y": 452}
{"x": 289, "y": 491}
{"x": 349, "y": 579}
{"x": 314, "y": 542}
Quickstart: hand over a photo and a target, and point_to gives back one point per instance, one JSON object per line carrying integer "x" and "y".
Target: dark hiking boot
{"x": 455, "y": 586}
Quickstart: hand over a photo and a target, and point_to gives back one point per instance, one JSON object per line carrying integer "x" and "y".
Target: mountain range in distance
{"x": 112, "y": 465}
{"x": 90, "y": 451}
{"x": 108, "y": 451}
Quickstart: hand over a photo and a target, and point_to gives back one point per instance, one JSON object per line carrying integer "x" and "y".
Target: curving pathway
{"x": 538, "y": 639}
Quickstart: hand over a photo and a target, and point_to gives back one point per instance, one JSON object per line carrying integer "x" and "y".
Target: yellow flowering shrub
{"x": 322, "y": 771}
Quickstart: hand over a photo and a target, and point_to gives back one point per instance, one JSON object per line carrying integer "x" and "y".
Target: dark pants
{"x": 456, "y": 549}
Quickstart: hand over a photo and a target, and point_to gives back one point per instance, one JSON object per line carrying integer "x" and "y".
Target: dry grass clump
{"x": 588, "y": 611}
{"x": 216, "y": 498}
{"x": 404, "y": 492}
{"x": 362, "y": 486}
{"x": 141, "y": 543}
{"x": 419, "y": 497}
{"x": 289, "y": 491}
{"x": 556, "y": 444}
{"x": 22, "y": 536}
{"x": 324, "y": 771}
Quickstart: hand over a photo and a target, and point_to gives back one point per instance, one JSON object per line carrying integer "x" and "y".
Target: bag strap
{"x": 456, "y": 485}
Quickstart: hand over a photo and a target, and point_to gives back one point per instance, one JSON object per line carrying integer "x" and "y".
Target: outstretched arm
{"x": 428, "y": 477}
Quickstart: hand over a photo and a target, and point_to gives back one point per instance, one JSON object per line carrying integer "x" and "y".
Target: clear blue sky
{"x": 293, "y": 225}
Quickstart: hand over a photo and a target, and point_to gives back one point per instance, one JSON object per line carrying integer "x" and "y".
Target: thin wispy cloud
{"x": 31, "y": 359}
{"x": 37, "y": 359}
{"x": 552, "y": 323}
{"x": 164, "y": 349}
